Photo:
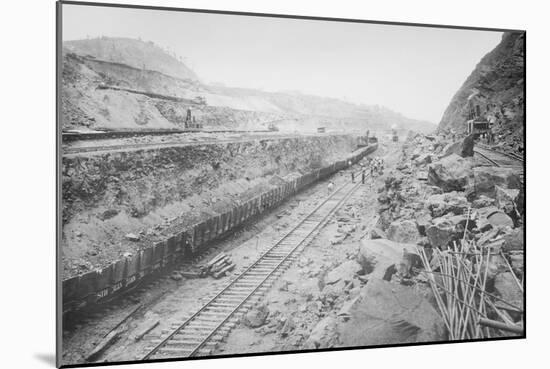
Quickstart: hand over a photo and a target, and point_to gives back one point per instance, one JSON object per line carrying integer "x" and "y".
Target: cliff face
{"x": 497, "y": 86}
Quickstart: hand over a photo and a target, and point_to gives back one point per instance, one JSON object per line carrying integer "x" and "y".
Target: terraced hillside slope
{"x": 134, "y": 53}
{"x": 119, "y": 83}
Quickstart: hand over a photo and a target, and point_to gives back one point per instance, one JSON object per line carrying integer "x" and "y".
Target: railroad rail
{"x": 500, "y": 159}
{"x": 510, "y": 155}
{"x": 201, "y": 332}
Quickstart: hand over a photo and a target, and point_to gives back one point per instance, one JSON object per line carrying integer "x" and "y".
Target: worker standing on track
{"x": 352, "y": 177}
{"x": 363, "y": 176}
{"x": 330, "y": 187}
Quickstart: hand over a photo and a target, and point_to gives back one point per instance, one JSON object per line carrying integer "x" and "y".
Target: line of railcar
{"x": 98, "y": 285}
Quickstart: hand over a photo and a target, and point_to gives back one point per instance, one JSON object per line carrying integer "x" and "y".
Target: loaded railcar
{"x": 93, "y": 286}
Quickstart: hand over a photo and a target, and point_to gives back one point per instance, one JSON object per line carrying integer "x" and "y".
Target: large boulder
{"x": 485, "y": 179}
{"x": 416, "y": 153}
{"x": 506, "y": 200}
{"x": 467, "y": 146}
{"x": 452, "y": 173}
{"x": 500, "y": 219}
{"x": 308, "y": 288}
{"x": 464, "y": 147}
{"x": 333, "y": 292}
{"x": 441, "y": 233}
{"x": 507, "y": 287}
{"x": 404, "y": 231}
{"x": 449, "y": 228}
{"x": 450, "y": 202}
{"x": 377, "y": 233}
{"x": 492, "y": 217}
{"x": 393, "y": 181}
{"x": 513, "y": 241}
{"x": 450, "y": 148}
{"x": 323, "y": 335}
{"x": 423, "y": 159}
{"x": 380, "y": 257}
{"x": 423, "y": 220}
{"x": 343, "y": 272}
{"x": 517, "y": 262}
{"x": 483, "y": 201}
{"x": 256, "y": 317}
{"x": 388, "y": 313}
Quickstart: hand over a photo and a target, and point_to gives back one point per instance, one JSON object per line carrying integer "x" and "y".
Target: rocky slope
{"x": 363, "y": 282}
{"x": 113, "y": 83}
{"x": 497, "y": 86}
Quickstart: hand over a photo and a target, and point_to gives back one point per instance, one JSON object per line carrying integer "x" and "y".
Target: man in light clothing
{"x": 330, "y": 187}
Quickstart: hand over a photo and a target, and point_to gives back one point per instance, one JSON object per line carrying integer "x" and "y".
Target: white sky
{"x": 412, "y": 70}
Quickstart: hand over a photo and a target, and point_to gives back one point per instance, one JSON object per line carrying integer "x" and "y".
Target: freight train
{"x": 97, "y": 286}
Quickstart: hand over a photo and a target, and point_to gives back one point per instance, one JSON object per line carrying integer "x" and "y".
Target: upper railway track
{"x": 103, "y": 146}
{"x": 71, "y": 136}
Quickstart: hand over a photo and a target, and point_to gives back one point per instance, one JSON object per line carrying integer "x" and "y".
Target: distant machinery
{"x": 321, "y": 129}
{"x": 190, "y": 121}
{"x": 364, "y": 141}
{"x": 394, "y": 136}
{"x": 199, "y": 100}
{"x": 273, "y": 127}
{"x": 476, "y": 123}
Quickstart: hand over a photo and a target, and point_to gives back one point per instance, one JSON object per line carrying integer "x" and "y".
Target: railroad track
{"x": 511, "y": 156}
{"x": 199, "y": 334}
{"x": 500, "y": 159}
{"x": 70, "y": 136}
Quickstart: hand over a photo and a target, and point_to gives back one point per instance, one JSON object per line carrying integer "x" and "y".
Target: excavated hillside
{"x": 497, "y": 86}
{"x": 134, "y": 53}
{"x": 100, "y": 94}
{"x": 108, "y": 195}
{"x": 119, "y": 83}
